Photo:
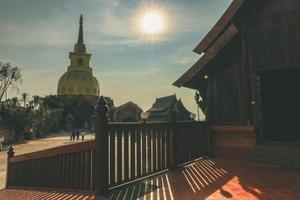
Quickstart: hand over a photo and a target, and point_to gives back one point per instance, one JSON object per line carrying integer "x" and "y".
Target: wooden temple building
{"x": 248, "y": 75}
{"x": 160, "y": 110}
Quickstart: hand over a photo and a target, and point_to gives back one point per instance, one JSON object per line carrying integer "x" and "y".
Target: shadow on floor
{"x": 204, "y": 179}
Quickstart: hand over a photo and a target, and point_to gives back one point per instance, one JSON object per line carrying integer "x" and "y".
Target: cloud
{"x": 106, "y": 22}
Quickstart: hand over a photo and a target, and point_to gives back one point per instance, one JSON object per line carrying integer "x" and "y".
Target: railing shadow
{"x": 155, "y": 188}
{"x": 203, "y": 174}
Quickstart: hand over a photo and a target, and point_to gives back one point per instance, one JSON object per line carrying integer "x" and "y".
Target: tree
{"x": 10, "y": 77}
{"x": 16, "y": 118}
{"x": 36, "y": 101}
{"x": 24, "y": 98}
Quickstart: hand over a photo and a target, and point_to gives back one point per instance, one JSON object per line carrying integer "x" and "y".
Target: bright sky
{"x": 129, "y": 64}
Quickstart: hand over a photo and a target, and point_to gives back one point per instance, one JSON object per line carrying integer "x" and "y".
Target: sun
{"x": 152, "y": 22}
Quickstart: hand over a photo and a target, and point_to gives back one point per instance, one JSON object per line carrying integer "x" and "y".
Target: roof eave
{"x": 219, "y": 44}
{"x": 219, "y": 27}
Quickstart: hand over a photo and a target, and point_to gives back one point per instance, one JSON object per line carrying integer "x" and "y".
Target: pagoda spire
{"x": 80, "y": 35}
{"x": 80, "y": 46}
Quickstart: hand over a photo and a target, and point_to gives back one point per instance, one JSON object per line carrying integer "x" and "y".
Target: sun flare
{"x": 152, "y": 22}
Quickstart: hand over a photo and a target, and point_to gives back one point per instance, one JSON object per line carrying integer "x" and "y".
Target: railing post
{"x": 10, "y": 154}
{"x": 172, "y": 161}
{"x": 101, "y": 146}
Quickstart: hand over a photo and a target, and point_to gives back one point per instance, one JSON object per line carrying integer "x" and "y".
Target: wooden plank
{"x": 63, "y": 171}
{"x": 50, "y": 173}
{"x": 93, "y": 169}
{"x": 139, "y": 149}
{"x": 56, "y": 172}
{"x": 126, "y": 155}
{"x": 229, "y": 128}
{"x": 68, "y": 171}
{"x": 132, "y": 152}
{"x": 112, "y": 157}
{"x": 45, "y": 170}
{"x": 144, "y": 149}
{"x": 72, "y": 170}
{"x": 149, "y": 151}
{"x": 163, "y": 156}
{"x": 119, "y": 157}
{"x": 159, "y": 150}
{"x": 88, "y": 169}
{"x": 154, "y": 143}
{"x": 81, "y": 170}
{"x": 76, "y": 173}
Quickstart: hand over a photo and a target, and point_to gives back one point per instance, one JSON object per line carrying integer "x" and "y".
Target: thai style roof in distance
{"x": 161, "y": 107}
{"x": 129, "y": 104}
{"x": 163, "y": 103}
{"x": 218, "y": 37}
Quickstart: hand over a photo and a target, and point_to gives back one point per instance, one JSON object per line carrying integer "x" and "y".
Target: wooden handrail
{"x": 117, "y": 125}
{"x": 55, "y": 151}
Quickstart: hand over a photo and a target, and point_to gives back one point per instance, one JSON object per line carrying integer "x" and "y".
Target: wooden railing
{"x": 139, "y": 150}
{"x": 121, "y": 153}
{"x": 69, "y": 167}
{"x": 136, "y": 150}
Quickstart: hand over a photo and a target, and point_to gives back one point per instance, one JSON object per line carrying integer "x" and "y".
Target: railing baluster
{"x": 154, "y": 140}
{"x": 88, "y": 169}
{"x": 112, "y": 157}
{"x": 126, "y": 155}
{"x": 144, "y": 149}
{"x": 159, "y": 150}
{"x": 138, "y": 151}
{"x": 164, "y": 148}
{"x": 132, "y": 153}
{"x": 93, "y": 169}
{"x": 119, "y": 156}
{"x": 149, "y": 150}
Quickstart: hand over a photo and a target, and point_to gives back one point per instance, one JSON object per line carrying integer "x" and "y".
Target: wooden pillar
{"x": 101, "y": 147}
{"x": 171, "y": 139}
{"x": 10, "y": 154}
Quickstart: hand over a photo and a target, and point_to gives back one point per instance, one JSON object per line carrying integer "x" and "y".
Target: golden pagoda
{"x": 79, "y": 79}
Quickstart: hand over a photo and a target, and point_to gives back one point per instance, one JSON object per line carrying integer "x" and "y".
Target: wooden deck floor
{"x": 205, "y": 179}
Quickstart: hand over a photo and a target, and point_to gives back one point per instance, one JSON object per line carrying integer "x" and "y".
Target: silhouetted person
{"x": 72, "y": 137}
{"x": 82, "y": 133}
{"x": 77, "y": 134}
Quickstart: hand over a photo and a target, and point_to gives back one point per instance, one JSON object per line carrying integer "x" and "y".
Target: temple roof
{"x": 219, "y": 27}
{"x": 129, "y": 104}
{"x": 216, "y": 39}
{"x": 161, "y": 107}
{"x": 163, "y": 103}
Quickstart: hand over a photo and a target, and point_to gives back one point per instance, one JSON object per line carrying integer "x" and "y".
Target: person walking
{"x": 77, "y": 134}
{"x": 82, "y": 133}
{"x": 73, "y": 133}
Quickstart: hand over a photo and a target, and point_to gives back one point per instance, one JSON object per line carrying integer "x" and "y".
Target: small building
{"x": 128, "y": 112}
{"x": 161, "y": 108}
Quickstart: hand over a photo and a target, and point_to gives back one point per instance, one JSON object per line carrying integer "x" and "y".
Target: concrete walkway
{"x": 206, "y": 179}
